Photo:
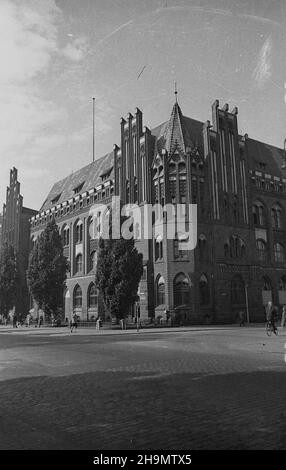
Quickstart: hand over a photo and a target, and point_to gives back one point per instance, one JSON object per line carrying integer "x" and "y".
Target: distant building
{"x": 1, "y": 221}
{"x": 239, "y": 186}
{"x": 16, "y": 232}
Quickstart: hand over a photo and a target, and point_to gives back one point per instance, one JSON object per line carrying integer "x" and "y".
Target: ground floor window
{"x": 181, "y": 290}
{"x": 92, "y": 296}
{"x": 160, "y": 290}
{"x": 77, "y": 297}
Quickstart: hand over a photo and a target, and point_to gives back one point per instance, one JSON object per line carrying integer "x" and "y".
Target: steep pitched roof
{"x": 89, "y": 175}
{"x": 178, "y": 132}
{"x": 265, "y": 158}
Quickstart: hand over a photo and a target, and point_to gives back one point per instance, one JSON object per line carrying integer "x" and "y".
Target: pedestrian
{"x": 74, "y": 322}
{"x": 283, "y": 318}
{"x": 28, "y": 319}
{"x": 97, "y": 323}
{"x": 167, "y": 316}
{"x": 270, "y": 312}
{"x": 241, "y": 318}
{"x": 15, "y": 323}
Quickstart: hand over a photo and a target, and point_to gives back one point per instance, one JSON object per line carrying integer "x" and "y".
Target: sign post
{"x": 246, "y": 302}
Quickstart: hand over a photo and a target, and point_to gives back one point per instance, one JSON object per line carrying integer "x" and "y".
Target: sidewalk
{"x": 87, "y": 331}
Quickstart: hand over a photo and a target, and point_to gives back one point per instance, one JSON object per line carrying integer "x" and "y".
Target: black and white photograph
{"x": 142, "y": 230}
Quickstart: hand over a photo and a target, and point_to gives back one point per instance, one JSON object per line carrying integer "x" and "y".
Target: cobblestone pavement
{"x": 196, "y": 388}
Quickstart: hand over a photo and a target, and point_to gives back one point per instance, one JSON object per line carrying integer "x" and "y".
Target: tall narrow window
{"x": 79, "y": 232}
{"x": 78, "y": 263}
{"x": 276, "y": 216}
{"x": 261, "y": 250}
{"x": 92, "y": 296}
{"x": 279, "y": 253}
{"x": 77, "y": 297}
{"x": 181, "y": 290}
{"x": 258, "y": 213}
{"x": 160, "y": 290}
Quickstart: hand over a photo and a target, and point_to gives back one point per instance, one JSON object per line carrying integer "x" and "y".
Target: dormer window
{"x": 78, "y": 188}
{"x": 262, "y": 165}
{"x": 56, "y": 198}
{"x": 106, "y": 175}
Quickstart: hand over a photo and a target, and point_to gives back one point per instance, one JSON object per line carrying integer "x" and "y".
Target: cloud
{"x": 28, "y": 48}
{"x": 262, "y": 71}
{"x": 75, "y": 50}
{"x": 27, "y": 39}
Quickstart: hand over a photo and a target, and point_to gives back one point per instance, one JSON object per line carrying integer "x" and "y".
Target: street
{"x": 184, "y": 388}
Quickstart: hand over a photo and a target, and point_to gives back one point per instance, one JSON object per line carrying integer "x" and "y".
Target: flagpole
{"x": 93, "y": 128}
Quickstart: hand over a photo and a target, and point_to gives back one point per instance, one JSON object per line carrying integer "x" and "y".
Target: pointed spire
{"x": 174, "y": 134}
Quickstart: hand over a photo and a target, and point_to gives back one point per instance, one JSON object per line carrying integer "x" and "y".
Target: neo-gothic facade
{"x": 239, "y": 186}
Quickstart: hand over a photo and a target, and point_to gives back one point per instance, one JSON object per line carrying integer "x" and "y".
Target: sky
{"x": 56, "y": 55}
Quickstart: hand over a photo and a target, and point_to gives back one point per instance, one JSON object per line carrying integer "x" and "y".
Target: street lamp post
{"x": 246, "y": 302}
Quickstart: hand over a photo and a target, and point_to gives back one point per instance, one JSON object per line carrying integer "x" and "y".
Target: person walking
{"x": 15, "y": 322}
{"x": 270, "y": 312}
{"x": 241, "y": 318}
{"x": 283, "y": 318}
{"x": 74, "y": 322}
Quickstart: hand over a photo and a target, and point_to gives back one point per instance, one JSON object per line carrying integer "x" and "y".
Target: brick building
{"x": 239, "y": 186}
{"x": 15, "y": 229}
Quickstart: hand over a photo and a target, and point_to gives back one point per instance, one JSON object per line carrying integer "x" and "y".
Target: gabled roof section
{"x": 89, "y": 175}
{"x": 178, "y": 133}
{"x": 265, "y": 158}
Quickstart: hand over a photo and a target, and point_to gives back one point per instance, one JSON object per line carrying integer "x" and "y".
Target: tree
{"x": 8, "y": 278}
{"x": 47, "y": 270}
{"x": 119, "y": 269}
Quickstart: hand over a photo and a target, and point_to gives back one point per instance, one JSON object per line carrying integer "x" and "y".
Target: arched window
{"x": 202, "y": 242}
{"x": 66, "y": 236}
{"x": 266, "y": 284}
{"x": 204, "y": 290}
{"x": 276, "y": 216}
{"x": 182, "y": 167}
{"x": 92, "y": 228}
{"x": 237, "y": 290}
{"x": 282, "y": 283}
{"x": 78, "y": 263}
{"x": 181, "y": 246}
{"x": 160, "y": 291}
{"x": 236, "y": 246}
{"x": 181, "y": 290}
{"x": 279, "y": 254}
{"x": 258, "y": 213}
{"x": 77, "y": 296}
{"x": 79, "y": 232}
{"x": 261, "y": 249}
{"x": 158, "y": 248}
{"x": 92, "y": 296}
{"x": 93, "y": 260}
